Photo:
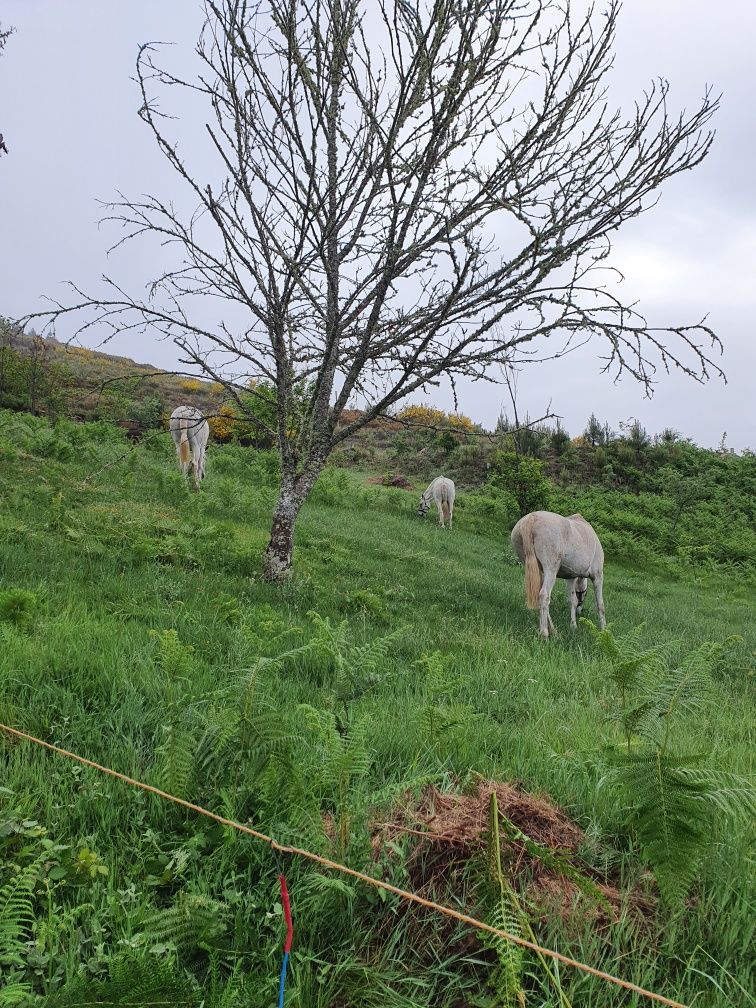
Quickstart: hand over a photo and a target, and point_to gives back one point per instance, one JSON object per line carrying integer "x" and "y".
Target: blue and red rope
{"x": 287, "y": 942}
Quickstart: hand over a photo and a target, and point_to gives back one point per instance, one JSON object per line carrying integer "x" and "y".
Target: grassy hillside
{"x": 54, "y": 379}
{"x": 658, "y": 501}
{"x": 135, "y": 629}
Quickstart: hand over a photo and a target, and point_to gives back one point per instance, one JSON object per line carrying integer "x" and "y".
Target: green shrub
{"x": 492, "y": 510}
{"x": 333, "y": 486}
{"x": 18, "y": 607}
{"x": 524, "y": 478}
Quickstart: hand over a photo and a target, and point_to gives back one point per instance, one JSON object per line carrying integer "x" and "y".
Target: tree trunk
{"x": 277, "y": 559}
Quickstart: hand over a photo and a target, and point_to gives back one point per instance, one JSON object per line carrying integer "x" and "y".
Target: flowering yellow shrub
{"x": 461, "y": 422}
{"x": 422, "y": 415}
{"x": 191, "y": 385}
{"x": 433, "y": 417}
{"x": 223, "y": 423}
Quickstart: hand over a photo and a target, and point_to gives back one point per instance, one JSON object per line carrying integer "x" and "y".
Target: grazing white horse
{"x": 442, "y": 492}
{"x": 554, "y": 547}
{"x": 190, "y": 432}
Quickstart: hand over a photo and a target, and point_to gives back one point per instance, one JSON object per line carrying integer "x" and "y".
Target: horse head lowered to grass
{"x": 442, "y": 491}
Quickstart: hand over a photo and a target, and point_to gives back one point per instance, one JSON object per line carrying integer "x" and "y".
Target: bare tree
{"x": 520, "y": 434}
{"x": 5, "y": 34}
{"x": 406, "y": 191}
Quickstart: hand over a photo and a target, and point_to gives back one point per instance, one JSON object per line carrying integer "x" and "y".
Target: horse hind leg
{"x": 545, "y": 624}
{"x": 571, "y": 588}
{"x": 598, "y": 591}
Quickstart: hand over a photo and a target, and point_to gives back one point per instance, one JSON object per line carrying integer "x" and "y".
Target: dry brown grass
{"x": 451, "y": 832}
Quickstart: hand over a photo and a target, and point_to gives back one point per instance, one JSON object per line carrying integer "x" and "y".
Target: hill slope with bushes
{"x": 655, "y": 500}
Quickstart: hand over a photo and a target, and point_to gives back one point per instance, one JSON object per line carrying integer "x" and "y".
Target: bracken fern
{"x": 674, "y": 802}
{"x": 17, "y": 914}
{"x": 507, "y": 915}
{"x": 135, "y": 981}
{"x": 190, "y": 923}
{"x": 16, "y": 921}
{"x": 174, "y": 752}
{"x": 355, "y": 667}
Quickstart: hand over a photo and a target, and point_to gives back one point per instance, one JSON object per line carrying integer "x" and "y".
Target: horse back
{"x": 583, "y": 554}
{"x": 442, "y": 488}
{"x": 568, "y": 546}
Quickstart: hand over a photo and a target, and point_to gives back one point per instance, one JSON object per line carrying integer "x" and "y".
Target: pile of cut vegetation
{"x": 540, "y": 852}
{"x": 391, "y": 481}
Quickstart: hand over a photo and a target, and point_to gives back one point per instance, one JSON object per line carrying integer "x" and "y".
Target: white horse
{"x": 190, "y": 432}
{"x": 551, "y": 546}
{"x": 442, "y": 492}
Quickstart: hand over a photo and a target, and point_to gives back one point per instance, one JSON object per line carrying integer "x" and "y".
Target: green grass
{"x": 130, "y": 552}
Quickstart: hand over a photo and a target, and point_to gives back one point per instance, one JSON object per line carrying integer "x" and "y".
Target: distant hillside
{"x": 52, "y": 379}
{"x": 49, "y": 378}
{"x": 92, "y": 385}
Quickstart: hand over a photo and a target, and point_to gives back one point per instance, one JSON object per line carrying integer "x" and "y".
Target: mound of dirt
{"x": 452, "y": 830}
{"x": 392, "y": 481}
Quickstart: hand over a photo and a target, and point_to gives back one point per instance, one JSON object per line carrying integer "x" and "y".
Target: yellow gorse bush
{"x": 223, "y": 423}
{"x": 434, "y": 417}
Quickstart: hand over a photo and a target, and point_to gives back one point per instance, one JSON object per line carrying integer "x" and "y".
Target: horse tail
{"x": 184, "y": 448}
{"x": 532, "y": 570}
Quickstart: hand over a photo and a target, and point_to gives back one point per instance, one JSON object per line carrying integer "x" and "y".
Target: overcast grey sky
{"x": 68, "y": 112}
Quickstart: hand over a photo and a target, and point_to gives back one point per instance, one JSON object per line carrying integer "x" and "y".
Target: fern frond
{"x": 507, "y": 978}
{"x": 135, "y": 981}
{"x": 513, "y": 919}
{"x": 671, "y": 814}
{"x": 685, "y": 689}
{"x": 329, "y": 641}
{"x": 174, "y": 759}
{"x": 172, "y": 657}
{"x": 17, "y": 914}
{"x": 728, "y": 794}
{"x": 390, "y": 793}
{"x": 437, "y": 719}
{"x": 508, "y": 916}
{"x": 245, "y": 730}
{"x": 216, "y": 746}
{"x": 322, "y": 723}
{"x": 331, "y": 883}
{"x": 630, "y": 664}
{"x": 369, "y": 657}
{"x": 14, "y": 993}
{"x": 553, "y": 860}
{"x": 349, "y": 663}
{"x": 262, "y": 729}
{"x": 190, "y": 923}
{"x": 341, "y": 759}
